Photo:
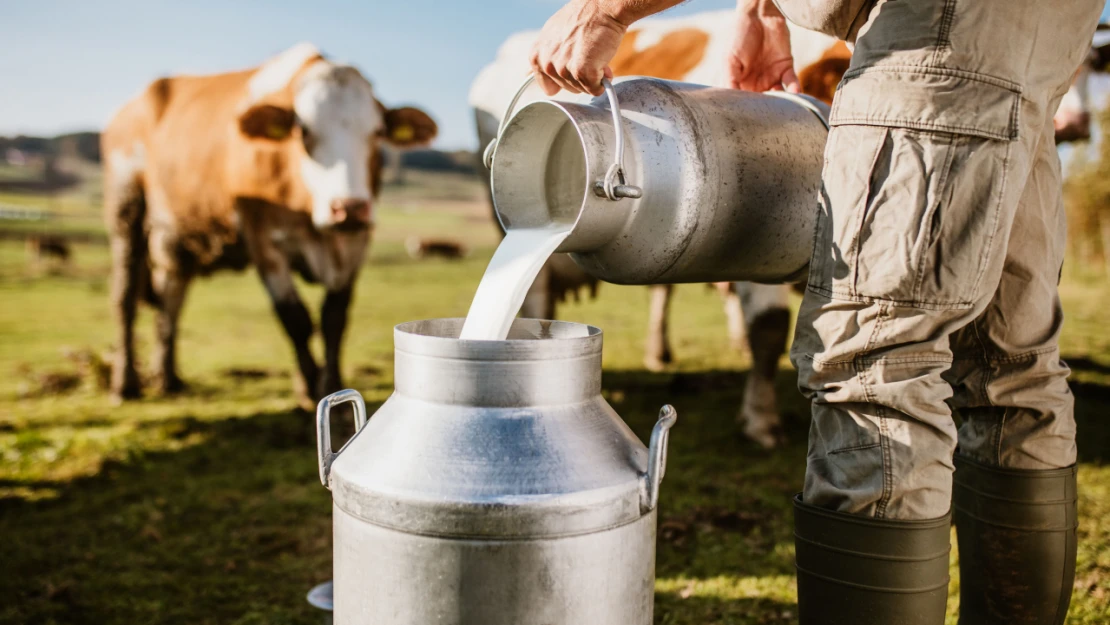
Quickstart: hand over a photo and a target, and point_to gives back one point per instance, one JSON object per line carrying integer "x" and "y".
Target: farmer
{"x": 932, "y": 290}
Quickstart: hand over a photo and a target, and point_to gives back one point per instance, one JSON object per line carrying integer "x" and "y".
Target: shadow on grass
{"x": 672, "y": 609}
{"x": 234, "y": 527}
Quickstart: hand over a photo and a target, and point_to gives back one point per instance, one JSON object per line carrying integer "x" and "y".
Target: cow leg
{"x": 734, "y": 314}
{"x": 277, "y": 276}
{"x": 169, "y": 286}
{"x": 333, "y": 323}
{"x": 767, "y": 316}
{"x": 657, "y": 350}
{"x": 297, "y": 323}
{"x": 124, "y": 212}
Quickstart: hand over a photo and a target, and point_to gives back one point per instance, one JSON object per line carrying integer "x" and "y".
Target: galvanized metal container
{"x": 495, "y": 487}
{"x": 668, "y": 182}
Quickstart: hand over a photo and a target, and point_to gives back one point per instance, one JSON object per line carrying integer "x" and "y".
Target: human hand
{"x": 574, "y": 48}
{"x": 760, "y": 58}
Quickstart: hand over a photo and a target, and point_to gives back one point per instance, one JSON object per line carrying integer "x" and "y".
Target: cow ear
{"x": 408, "y": 127}
{"x": 266, "y": 121}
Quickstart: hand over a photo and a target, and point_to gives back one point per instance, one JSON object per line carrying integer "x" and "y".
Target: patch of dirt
{"x": 251, "y": 373}
{"x": 88, "y": 369}
{"x": 677, "y": 530}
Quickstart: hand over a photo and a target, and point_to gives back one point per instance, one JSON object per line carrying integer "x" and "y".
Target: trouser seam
{"x": 985, "y": 256}
{"x": 945, "y": 31}
{"x": 853, "y": 289}
{"x": 863, "y": 371}
{"x": 927, "y": 221}
{"x": 845, "y": 450}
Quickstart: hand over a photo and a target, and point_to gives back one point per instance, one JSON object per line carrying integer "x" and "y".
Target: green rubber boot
{"x": 1017, "y": 536}
{"x": 863, "y": 571}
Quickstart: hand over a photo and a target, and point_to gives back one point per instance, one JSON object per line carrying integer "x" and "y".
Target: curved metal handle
{"x": 323, "y": 428}
{"x": 613, "y": 185}
{"x": 657, "y": 459}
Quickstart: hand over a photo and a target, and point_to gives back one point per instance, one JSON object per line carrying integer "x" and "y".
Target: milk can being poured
{"x": 560, "y": 183}
{"x": 665, "y": 182}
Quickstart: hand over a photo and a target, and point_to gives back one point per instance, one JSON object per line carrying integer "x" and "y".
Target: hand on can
{"x": 574, "y": 48}
{"x": 760, "y": 59}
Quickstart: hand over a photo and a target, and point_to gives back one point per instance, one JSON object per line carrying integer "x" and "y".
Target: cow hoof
{"x": 306, "y": 403}
{"x": 764, "y": 435}
{"x": 128, "y": 388}
{"x": 173, "y": 386}
{"x": 657, "y": 359}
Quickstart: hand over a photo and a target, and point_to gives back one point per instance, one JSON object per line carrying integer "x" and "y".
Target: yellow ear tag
{"x": 403, "y": 133}
{"x": 277, "y": 131}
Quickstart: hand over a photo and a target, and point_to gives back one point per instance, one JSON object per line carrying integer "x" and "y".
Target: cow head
{"x": 333, "y": 127}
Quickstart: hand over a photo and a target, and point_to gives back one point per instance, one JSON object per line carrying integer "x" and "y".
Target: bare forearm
{"x": 758, "y": 7}
{"x": 628, "y": 11}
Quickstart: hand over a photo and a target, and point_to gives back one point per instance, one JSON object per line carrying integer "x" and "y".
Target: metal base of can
{"x": 321, "y": 597}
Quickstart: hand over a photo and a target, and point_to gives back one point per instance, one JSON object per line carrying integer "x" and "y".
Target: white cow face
{"x": 336, "y": 127}
{"x": 340, "y": 123}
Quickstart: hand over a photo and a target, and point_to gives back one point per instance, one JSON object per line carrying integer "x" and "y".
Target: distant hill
{"x": 83, "y": 145}
{"x": 459, "y": 161}
{"x": 86, "y": 146}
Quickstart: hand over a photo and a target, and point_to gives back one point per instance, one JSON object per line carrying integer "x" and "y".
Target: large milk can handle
{"x": 613, "y": 185}
{"x": 657, "y": 459}
{"x": 323, "y": 428}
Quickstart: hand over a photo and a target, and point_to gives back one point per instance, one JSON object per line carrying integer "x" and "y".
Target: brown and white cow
{"x": 275, "y": 166}
{"x": 692, "y": 49}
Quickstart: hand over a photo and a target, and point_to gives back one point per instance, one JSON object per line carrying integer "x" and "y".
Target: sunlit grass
{"x": 206, "y": 508}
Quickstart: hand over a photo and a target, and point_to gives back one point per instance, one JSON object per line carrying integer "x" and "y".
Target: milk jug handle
{"x": 657, "y": 459}
{"x": 613, "y": 186}
{"x": 323, "y": 428}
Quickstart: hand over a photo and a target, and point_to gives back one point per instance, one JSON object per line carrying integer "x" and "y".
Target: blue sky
{"x": 67, "y": 65}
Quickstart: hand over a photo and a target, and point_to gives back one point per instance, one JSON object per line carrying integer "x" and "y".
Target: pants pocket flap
{"x": 926, "y": 98}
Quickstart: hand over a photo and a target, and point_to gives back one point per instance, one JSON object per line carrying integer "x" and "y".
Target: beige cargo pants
{"x": 940, "y": 239}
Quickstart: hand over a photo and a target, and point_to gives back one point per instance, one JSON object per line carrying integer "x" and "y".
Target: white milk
{"x": 510, "y": 274}
{"x": 560, "y": 184}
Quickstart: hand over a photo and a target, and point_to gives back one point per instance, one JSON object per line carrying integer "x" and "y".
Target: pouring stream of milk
{"x": 510, "y": 274}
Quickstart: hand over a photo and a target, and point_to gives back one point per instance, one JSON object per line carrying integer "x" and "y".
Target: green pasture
{"x": 206, "y": 508}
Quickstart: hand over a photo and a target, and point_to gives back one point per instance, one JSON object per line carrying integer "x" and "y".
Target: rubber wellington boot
{"x": 1017, "y": 535}
{"x": 863, "y": 571}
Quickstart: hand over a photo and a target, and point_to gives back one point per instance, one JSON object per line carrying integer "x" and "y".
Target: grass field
{"x": 207, "y": 509}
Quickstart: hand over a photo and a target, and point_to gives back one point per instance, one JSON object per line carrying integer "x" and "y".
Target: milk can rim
{"x": 412, "y": 337}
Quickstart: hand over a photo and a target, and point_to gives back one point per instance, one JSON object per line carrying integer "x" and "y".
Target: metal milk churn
{"x": 667, "y": 182}
{"x": 495, "y": 487}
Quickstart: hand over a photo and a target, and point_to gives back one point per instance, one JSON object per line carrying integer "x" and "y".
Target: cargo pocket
{"x": 912, "y": 188}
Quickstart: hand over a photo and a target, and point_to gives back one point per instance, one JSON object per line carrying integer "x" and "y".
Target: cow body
{"x": 274, "y": 166}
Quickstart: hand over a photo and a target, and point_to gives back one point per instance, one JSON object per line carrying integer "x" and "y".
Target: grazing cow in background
{"x": 42, "y": 247}
{"x": 275, "y": 166}
{"x": 692, "y": 49}
{"x": 420, "y": 249}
